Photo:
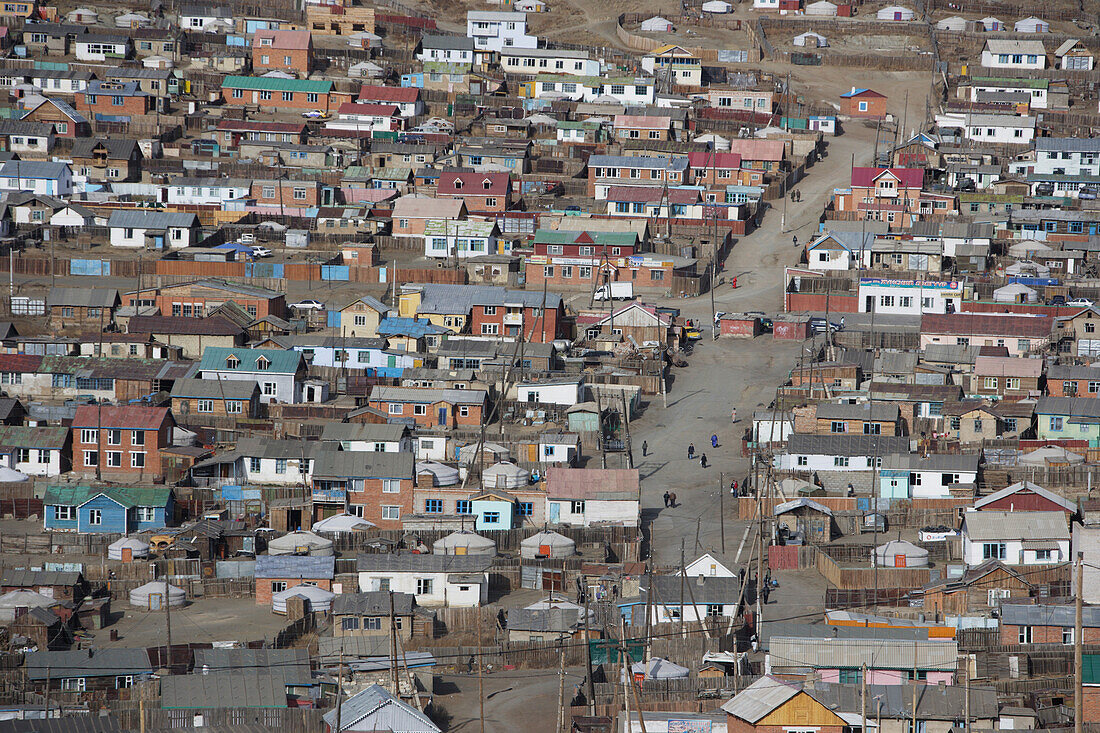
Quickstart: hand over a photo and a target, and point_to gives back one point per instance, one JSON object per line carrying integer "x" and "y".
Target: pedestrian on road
{"x": 741, "y": 576}
{"x": 795, "y": 240}
{"x": 703, "y": 460}
{"x": 672, "y": 499}
{"x": 733, "y": 488}
{"x": 733, "y": 415}
{"x": 691, "y": 451}
{"x": 666, "y": 498}
{"x": 645, "y": 448}
{"x": 714, "y": 441}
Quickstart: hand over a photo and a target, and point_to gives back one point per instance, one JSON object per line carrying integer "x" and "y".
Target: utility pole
{"x": 588, "y": 660}
{"x": 393, "y": 654}
{"x": 480, "y": 678}
{"x": 914, "y": 687}
{"x": 863, "y": 698}
{"x": 966, "y": 694}
{"x": 681, "y": 587}
{"x": 1078, "y": 649}
{"x": 560, "y": 728}
{"x": 722, "y": 508}
{"x": 167, "y": 622}
{"x": 339, "y": 691}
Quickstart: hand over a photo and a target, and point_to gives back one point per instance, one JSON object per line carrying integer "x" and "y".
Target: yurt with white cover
{"x": 300, "y": 543}
{"x": 505, "y": 475}
{"x": 151, "y": 596}
{"x": 901, "y": 554}
{"x": 342, "y": 524}
{"x": 464, "y": 543}
{"x": 442, "y": 474}
{"x": 127, "y": 548}
{"x": 28, "y": 599}
{"x": 718, "y": 7}
{"x": 318, "y": 600}
{"x": 547, "y": 544}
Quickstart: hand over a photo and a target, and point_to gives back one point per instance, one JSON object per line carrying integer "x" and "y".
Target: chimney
{"x": 700, "y": 581}
{"x": 853, "y": 90}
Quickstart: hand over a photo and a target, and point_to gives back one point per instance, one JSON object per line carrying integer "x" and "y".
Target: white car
{"x": 308, "y": 305}
{"x": 259, "y": 251}
{"x": 315, "y": 114}
{"x": 1080, "y": 303}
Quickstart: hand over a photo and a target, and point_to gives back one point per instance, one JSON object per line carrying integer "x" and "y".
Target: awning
{"x": 466, "y": 578}
{"x": 1040, "y": 545}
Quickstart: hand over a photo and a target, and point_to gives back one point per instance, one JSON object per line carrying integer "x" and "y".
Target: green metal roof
{"x": 1011, "y": 82}
{"x": 611, "y": 239}
{"x": 463, "y": 228}
{"x": 280, "y": 361}
{"x": 22, "y": 436}
{"x": 128, "y": 496}
{"x": 275, "y": 84}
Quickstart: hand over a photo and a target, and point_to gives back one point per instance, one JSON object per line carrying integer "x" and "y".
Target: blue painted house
{"x": 108, "y": 510}
{"x": 493, "y": 509}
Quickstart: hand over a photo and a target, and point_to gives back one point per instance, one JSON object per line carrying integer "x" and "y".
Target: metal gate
{"x": 530, "y": 577}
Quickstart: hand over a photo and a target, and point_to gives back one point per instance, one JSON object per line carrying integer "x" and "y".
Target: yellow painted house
{"x": 360, "y": 318}
{"x": 409, "y": 304}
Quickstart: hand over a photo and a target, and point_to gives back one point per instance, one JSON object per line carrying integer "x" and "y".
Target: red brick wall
{"x": 263, "y": 587}
{"x": 153, "y": 443}
{"x": 430, "y": 418}
{"x": 1055, "y": 388}
{"x": 1092, "y": 704}
{"x": 642, "y": 277}
{"x": 482, "y": 203}
{"x": 371, "y": 498}
{"x": 876, "y": 106}
{"x": 791, "y": 331}
{"x": 298, "y": 100}
{"x": 1046, "y": 635}
{"x": 286, "y": 197}
{"x": 276, "y": 59}
{"x": 103, "y": 105}
{"x": 541, "y": 329}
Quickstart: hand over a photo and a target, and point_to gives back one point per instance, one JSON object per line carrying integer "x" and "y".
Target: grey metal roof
{"x": 293, "y": 566}
{"x": 995, "y": 525}
{"x": 372, "y": 603}
{"x": 626, "y": 161}
{"x": 933, "y": 701}
{"x": 374, "y": 709}
{"x": 823, "y": 631}
{"x": 793, "y": 651}
{"x": 1078, "y": 409}
{"x": 407, "y": 562}
{"x": 222, "y": 389}
{"x": 1068, "y": 144}
{"x": 102, "y": 723}
{"x": 290, "y": 665}
{"x": 866, "y": 411}
{"x": 760, "y": 698}
{"x": 82, "y": 297}
{"x": 703, "y": 589}
{"x": 28, "y": 578}
{"x": 457, "y": 43}
{"x": 966, "y": 462}
{"x": 363, "y": 464}
{"x": 117, "y": 147}
{"x": 138, "y": 219}
{"x": 87, "y": 663}
{"x": 237, "y": 689}
{"x": 33, "y": 169}
{"x": 1013, "y": 614}
{"x": 428, "y": 395}
{"x": 442, "y": 298}
{"x": 846, "y": 445}
{"x": 330, "y": 649}
{"x": 367, "y": 432}
{"x": 560, "y": 620}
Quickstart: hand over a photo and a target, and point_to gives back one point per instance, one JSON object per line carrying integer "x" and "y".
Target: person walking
{"x": 691, "y": 451}
{"x": 733, "y": 488}
{"x": 666, "y": 498}
{"x": 733, "y": 415}
{"x": 794, "y": 239}
{"x": 703, "y": 460}
{"x": 672, "y": 499}
{"x": 645, "y": 448}
{"x": 714, "y": 441}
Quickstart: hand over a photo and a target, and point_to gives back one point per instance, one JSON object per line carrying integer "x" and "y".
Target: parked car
{"x": 315, "y": 114}
{"x": 1088, "y": 193}
{"x": 1058, "y": 300}
{"x": 1080, "y": 303}
{"x": 820, "y": 325}
{"x": 309, "y": 304}
{"x": 258, "y": 251}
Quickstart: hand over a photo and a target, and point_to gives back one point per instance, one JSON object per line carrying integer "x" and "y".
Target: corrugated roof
{"x": 291, "y": 665}
{"x": 128, "y": 496}
{"x": 363, "y": 464}
{"x": 137, "y": 219}
{"x": 372, "y": 603}
{"x": 220, "y": 389}
{"x": 793, "y": 651}
{"x": 126, "y": 417}
{"x": 237, "y": 689}
{"x": 383, "y": 393}
{"x": 30, "y": 578}
{"x": 87, "y": 663}
{"x": 277, "y": 84}
{"x": 375, "y": 709}
{"x": 846, "y": 445}
{"x": 211, "y": 326}
{"x": 279, "y": 361}
{"x": 407, "y": 562}
{"x": 560, "y": 620}
{"x": 760, "y": 698}
{"x": 593, "y": 483}
{"x": 974, "y": 324}
{"x": 283, "y": 567}
{"x": 24, "y": 436}
{"x": 1026, "y": 486}
{"x": 997, "y": 525}
{"x": 866, "y": 411}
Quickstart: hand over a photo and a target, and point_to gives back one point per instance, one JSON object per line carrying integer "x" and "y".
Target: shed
{"x": 717, "y": 6}
{"x": 317, "y": 599}
{"x": 656, "y": 24}
{"x": 468, "y": 454}
{"x": 442, "y": 474}
{"x": 547, "y": 544}
{"x": 127, "y": 548}
{"x": 505, "y": 475}
{"x": 151, "y": 595}
{"x": 822, "y": 8}
{"x": 901, "y": 554}
{"x": 895, "y": 12}
{"x": 583, "y": 417}
{"x": 810, "y": 39}
{"x": 805, "y": 519}
{"x": 300, "y": 543}
{"x": 464, "y": 543}
{"x": 1015, "y": 293}
{"x": 342, "y": 524}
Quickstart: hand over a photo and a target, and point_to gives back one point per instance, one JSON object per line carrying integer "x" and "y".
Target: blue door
{"x": 555, "y": 511}
{"x": 442, "y": 415}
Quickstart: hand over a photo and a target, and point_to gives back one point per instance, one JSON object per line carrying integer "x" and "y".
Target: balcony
{"x": 513, "y": 319}
{"x": 330, "y": 496}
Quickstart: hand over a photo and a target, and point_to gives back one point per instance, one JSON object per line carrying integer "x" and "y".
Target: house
{"x": 431, "y": 407}
{"x": 1024, "y": 496}
{"x": 709, "y": 566}
{"x": 406, "y": 99}
{"x": 276, "y": 573}
{"x": 1073, "y": 56}
{"x": 1005, "y": 377}
{"x": 999, "y": 53}
{"x": 36, "y": 451}
{"x": 230, "y": 133}
{"x": 821, "y": 453}
{"x": 106, "y": 671}
{"x": 410, "y": 213}
{"x": 370, "y": 614}
{"x": 138, "y": 229}
{"x": 912, "y": 476}
{"x": 1067, "y": 418}
{"x": 483, "y": 193}
{"x": 979, "y": 589}
{"x": 279, "y": 373}
{"x": 107, "y": 159}
{"x": 273, "y": 93}
{"x": 376, "y": 486}
{"x": 1019, "y": 334}
{"x": 543, "y": 624}
{"x": 121, "y": 442}
{"x": 706, "y": 596}
{"x": 498, "y": 30}
{"x": 29, "y": 140}
{"x": 447, "y": 49}
{"x": 1015, "y": 538}
{"x": 1047, "y": 624}
{"x": 891, "y": 194}
{"x": 189, "y": 698}
{"x": 863, "y": 103}
{"x": 209, "y": 18}
{"x": 362, "y": 316}
{"x": 100, "y": 47}
{"x": 605, "y": 171}
{"x": 674, "y": 64}
{"x": 61, "y": 585}
{"x": 460, "y": 239}
{"x": 66, "y": 121}
{"x": 1064, "y": 380}
{"x": 634, "y": 322}
{"x": 107, "y": 509}
{"x": 453, "y": 581}
{"x": 112, "y": 100}
{"x": 869, "y": 418}
{"x": 533, "y": 61}
{"x": 71, "y": 308}
{"x": 1003, "y": 129}
{"x": 884, "y": 661}
{"x": 284, "y": 50}
{"x": 49, "y": 179}
{"x": 589, "y": 497}
{"x": 202, "y": 297}
{"x": 375, "y": 708}
{"x": 194, "y": 400}
{"x": 191, "y": 333}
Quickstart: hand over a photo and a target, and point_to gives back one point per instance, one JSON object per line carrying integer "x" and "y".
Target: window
{"x": 396, "y": 408}
{"x": 1067, "y": 635}
{"x": 372, "y": 623}
{"x": 254, "y": 465}
{"x": 715, "y": 609}
{"x": 73, "y": 684}
{"x": 64, "y": 513}
{"x": 576, "y": 506}
{"x": 840, "y": 461}
{"x": 95, "y": 517}
{"x": 89, "y": 435}
{"x": 392, "y": 486}
{"x": 1023, "y": 344}
{"x": 146, "y": 514}
{"x": 205, "y": 406}
{"x": 124, "y": 681}
{"x": 850, "y": 676}
{"x": 524, "y": 509}
{"x": 423, "y": 585}
{"x": 349, "y": 624}
{"x": 91, "y": 458}
{"x": 491, "y": 518}
{"x": 1023, "y": 636}
{"x": 278, "y": 586}
{"x": 1069, "y": 388}
{"x": 872, "y": 428}
{"x": 114, "y": 459}
{"x": 420, "y": 409}
{"x": 270, "y": 389}
{"x": 994, "y": 551}
{"x": 433, "y": 506}
{"x": 462, "y": 506}
{"x": 803, "y": 460}
{"x": 234, "y": 407}
{"x": 1055, "y": 423}
{"x": 1044, "y": 555}
{"x": 1012, "y": 383}
{"x": 391, "y": 512}
{"x": 280, "y": 465}
{"x": 838, "y": 426}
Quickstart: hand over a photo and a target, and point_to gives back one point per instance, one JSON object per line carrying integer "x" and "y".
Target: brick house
{"x": 274, "y": 94}
{"x": 66, "y": 121}
{"x": 1005, "y": 377}
{"x": 1066, "y": 380}
{"x": 1047, "y": 624}
{"x": 1019, "y": 334}
{"x": 883, "y": 193}
{"x": 121, "y": 442}
{"x": 715, "y": 168}
{"x": 482, "y": 192}
{"x": 605, "y": 171}
{"x": 411, "y": 213}
{"x": 114, "y": 99}
{"x": 276, "y": 573}
{"x": 642, "y": 127}
{"x": 863, "y": 103}
{"x": 231, "y": 133}
{"x": 282, "y": 50}
{"x": 199, "y": 297}
{"x": 512, "y": 312}
{"x": 431, "y": 407}
{"x": 376, "y": 486}
{"x": 285, "y": 193}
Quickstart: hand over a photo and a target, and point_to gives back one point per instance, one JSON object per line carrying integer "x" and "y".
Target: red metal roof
{"x": 359, "y": 108}
{"x": 714, "y": 160}
{"x": 907, "y": 177}
{"x": 260, "y": 126}
{"x": 975, "y": 324}
{"x": 128, "y": 417}
{"x": 24, "y": 363}
{"x": 397, "y": 95}
{"x": 652, "y": 194}
{"x": 473, "y": 183}
{"x": 581, "y": 483}
{"x": 288, "y": 40}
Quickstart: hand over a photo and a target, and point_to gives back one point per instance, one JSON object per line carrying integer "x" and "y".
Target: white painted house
{"x": 532, "y": 61}
{"x": 990, "y": 128}
{"x": 454, "y": 581}
{"x": 999, "y": 53}
{"x": 207, "y": 191}
{"x": 138, "y": 228}
{"x": 369, "y": 437}
{"x": 707, "y": 565}
{"x": 567, "y": 392}
{"x": 1015, "y": 538}
{"x": 588, "y": 497}
{"x": 909, "y": 297}
{"x": 49, "y": 179}
{"x": 807, "y": 453}
{"x": 496, "y": 30}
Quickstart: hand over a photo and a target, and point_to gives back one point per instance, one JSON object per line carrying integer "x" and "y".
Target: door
{"x": 869, "y": 301}
{"x": 555, "y": 511}
{"x": 899, "y": 561}
{"x": 544, "y": 550}
{"x": 442, "y": 415}
{"x": 897, "y": 15}
{"x": 127, "y": 554}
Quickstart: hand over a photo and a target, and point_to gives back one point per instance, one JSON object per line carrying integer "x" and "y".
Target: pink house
{"x": 889, "y": 661}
